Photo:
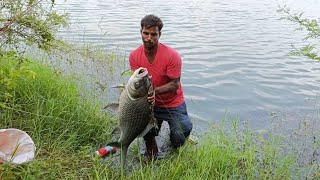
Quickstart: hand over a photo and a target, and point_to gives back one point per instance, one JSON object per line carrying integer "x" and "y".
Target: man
{"x": 164, "y": 65}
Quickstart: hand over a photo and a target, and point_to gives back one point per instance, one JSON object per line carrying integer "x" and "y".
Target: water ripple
{"x": 235, "y": 53}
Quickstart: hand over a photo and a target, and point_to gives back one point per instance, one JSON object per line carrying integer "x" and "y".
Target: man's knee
{"x": 178, "y": 138}
{"x": 180, "y": 132}
{"x": 177, "y": 141}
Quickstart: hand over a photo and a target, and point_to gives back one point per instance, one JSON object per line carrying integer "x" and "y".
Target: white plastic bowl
{"x": 16, "y": 146}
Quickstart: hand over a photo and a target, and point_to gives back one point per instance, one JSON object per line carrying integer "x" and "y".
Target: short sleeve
{"x": 174, "y": 66}
{"x": 132, "y": 61}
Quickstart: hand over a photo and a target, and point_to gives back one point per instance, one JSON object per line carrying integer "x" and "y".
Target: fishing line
{"x": 166, "y": 107}
{"x": 177, "y": 122}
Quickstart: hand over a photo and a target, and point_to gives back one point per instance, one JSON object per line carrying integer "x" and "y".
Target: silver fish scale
{"x": 134, "y": 116}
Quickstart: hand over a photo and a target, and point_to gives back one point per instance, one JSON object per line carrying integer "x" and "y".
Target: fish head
{"x": 139, "y": 83}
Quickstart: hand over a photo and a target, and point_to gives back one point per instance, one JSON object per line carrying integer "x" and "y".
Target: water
{"x": 235, "y": 53}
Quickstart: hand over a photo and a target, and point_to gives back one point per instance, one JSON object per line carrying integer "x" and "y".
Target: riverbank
{"x": 67, "y": 126}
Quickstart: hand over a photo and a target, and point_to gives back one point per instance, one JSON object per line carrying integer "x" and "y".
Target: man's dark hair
{"x": 150, "y": 21}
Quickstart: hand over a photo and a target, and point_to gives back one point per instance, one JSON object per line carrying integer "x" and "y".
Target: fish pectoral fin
{"x": 116, "y": 134}
{"x": 116, "y": 131}
{"x": 113, "y": 107}
{"x": 118, "y": 86}
{"x": 147, "y": 129}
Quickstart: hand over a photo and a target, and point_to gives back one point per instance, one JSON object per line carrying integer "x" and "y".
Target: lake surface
{"x": 235, "y": 52}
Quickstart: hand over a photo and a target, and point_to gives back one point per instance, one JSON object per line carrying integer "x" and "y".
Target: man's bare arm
{"x": 171, "y": 86}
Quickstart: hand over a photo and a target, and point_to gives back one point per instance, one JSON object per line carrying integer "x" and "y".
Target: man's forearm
{"x": 167, "y": 88}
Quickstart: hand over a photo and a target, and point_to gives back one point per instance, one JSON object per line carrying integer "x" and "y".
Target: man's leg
{"x": 150, "y": 140}
{"x": 180, "y": 125}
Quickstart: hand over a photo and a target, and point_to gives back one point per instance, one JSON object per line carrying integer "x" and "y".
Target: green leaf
{"x": 2, "y": 105}
{"x": 127, "y": 73}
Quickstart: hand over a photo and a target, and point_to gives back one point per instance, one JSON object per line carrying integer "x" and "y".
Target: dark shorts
{"x": 179, "y": 123}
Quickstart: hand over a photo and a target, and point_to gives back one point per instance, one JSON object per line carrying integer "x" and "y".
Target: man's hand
{"x": 151, "y": 97}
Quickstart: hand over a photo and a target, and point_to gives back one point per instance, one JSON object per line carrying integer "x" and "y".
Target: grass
{"x": 221, "y": 155}
{"x": 67, "y": 126}
{"x": 64, "y": 124}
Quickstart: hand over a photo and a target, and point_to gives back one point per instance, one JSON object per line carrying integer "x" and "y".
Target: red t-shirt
{"x": 166, "y": 65}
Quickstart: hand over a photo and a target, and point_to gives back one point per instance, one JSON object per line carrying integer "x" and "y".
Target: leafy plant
{"x": 312, "y": 26}
{"x": 10, "y": 75}
{"x": 26, "y": 23}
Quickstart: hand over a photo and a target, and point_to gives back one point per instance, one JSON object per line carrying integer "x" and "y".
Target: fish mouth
{"x": 141, "y": 72}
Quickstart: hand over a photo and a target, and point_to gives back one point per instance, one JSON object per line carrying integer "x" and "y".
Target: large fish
{"x": 135, "y": 112}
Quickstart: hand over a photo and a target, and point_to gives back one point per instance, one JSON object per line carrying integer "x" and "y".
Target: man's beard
{"x": 150, "y": 45}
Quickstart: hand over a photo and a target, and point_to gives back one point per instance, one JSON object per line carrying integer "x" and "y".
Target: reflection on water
{"x": 235, "y": 53}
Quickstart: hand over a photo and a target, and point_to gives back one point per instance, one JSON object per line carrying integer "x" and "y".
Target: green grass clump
{"x": 222, "y": 155}
{"x": 64, "y": 124}
{"x": 50, "y": 107}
